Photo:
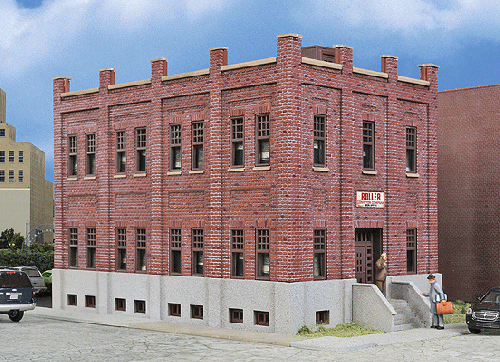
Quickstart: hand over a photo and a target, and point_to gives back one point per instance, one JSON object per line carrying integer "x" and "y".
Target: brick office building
{"x": 469, "y": 227}
{"x": 244, "y": 196}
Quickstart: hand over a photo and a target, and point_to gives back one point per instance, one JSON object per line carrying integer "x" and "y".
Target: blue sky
{"x": 42, "y": 39}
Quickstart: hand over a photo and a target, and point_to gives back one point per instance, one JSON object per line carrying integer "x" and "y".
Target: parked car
{"x": 485, "y": 314}
{"x": 47, "y": 278}
{"x": 35, "y": 277}
{"x": 16, "y": 294}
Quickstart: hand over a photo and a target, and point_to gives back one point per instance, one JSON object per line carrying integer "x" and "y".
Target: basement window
{"x": 120, "y": 304}
{"x": 174, "y": 310}
{"x": 140, "y": 306}
{"x": 235, "y": 315}
{"x": 72, "y": 299}
{"x": 90, "y": 301}
{"x": 196, "y": 311}
{"x": 261, "y": 318}
{"x": 323, "y": 317}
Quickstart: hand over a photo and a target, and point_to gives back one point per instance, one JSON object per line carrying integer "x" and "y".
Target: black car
{"x": 16, "y": 294}
{"x": 486, "y": 313}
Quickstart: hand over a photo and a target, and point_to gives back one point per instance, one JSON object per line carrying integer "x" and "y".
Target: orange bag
{"x": 444, "y": 307}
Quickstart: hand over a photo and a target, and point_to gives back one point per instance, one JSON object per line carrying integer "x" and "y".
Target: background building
{"x": 247, "y": 196}
{"x": 469, "y": 225}
{"x": 27, "y": 197}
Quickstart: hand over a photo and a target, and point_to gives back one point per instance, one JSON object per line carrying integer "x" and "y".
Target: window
{"x": 261, "y": 318}
{"x": 174, "y": 310}
{"x": 197, "y": 246}
{"x": 11, "y": 175}
{"x": 2, "y": 132}
{"x": 262, "y": 132}
{"x": 21, "y": 156}
{"x": 237, "y": 149}
{"x": 140, "y": 306}
{"x": 196, "y": 311}
{"x": 140, "y": 149}
{"x": 2, "y": 175}
{"x": 121, "y": 155}
{"x": 2, "y": 156}
{"x": 262, "y": 244}
{"x": 121, "y": 248}
{"x": 319, "y": 140}
{"x": 411, "y": 149}
{"x": 11, "y": 156}
{"x": 140, "y": 246}
{"x": 175, "y": 147}
{"x": 120, "y": 304}
{"x": 411, "y": 251}
{"x": 368, "y": 145}
{"x": 73, "y": 247}
{"x": 72, "y": 156}
{"x": 235, "y": 315}
{"x": 237, "y": 260}
{"x": 198, "y": 157}
{"x": 175, "y": 251}
{"x": 72, "y": 299}
{"x": 320, "y": 253}
{"x": 90, "y": 301}
{"x": 91, "y": 247}
{"x": 20, "y": 175}
{"x": 323, "y": 317}
{"x": 91, "y": 154}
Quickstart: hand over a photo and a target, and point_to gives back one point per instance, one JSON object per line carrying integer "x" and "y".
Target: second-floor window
{"x": 262, "y": 133}
{"x": 2, "y": 175}
{"x": 411, "y": 149}
{"x": 237, "y": 142}
{"x": 11, "y": 156}
{"x": 91, "y": 160}
{"x": 175, "y": 147}
{"x": 198, "y": 157}
{"x": 369, "y": 145}
{"x": 2, "y": 156}
{"x": 140, "y": 149}
{"x": 11, "y": 175}
{"x": 21, "y": 156}
{"x": 72, "y": 156}
{"x": 121, "y": 152}
{"x": 20, "y": 175}
{"x": 319, "y": 140}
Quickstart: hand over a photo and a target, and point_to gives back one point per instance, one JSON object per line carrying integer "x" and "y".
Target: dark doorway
{"x": 367, "y": 247}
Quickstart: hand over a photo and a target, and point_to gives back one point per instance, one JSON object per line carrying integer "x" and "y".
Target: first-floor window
{"x": 197, "y": 241}
{"x": 72, "y": 156}
{"x": 411, "y": 149}
{"x": 121, "y": 248}
{"x": 237, "y": 256}
{"x": 175, "y": 251}
{"x": 11, "y": 175}
{"x": 2, "y": 175}
{"x": 237, "y": 142}
{"x": 91, "y": 247}
{"x": 368, "y": 145}
{"x": 319, "y": 140}
{"x": 91, "y": 159}
{"x": 73, "y": 247}
{"x": 140, "y": 149}
{"x": 140, "y": 244}
{"x": 262, "y": 245}
{"x": 20, "y": 175}
{"x": 175, "y": 147}
{"x": 319, "y": 253}
{"x": 121, "y": 153}
{"x": 411, "y": 251}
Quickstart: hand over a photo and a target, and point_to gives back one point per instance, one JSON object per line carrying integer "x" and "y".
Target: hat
{"x": 431, "y": 276}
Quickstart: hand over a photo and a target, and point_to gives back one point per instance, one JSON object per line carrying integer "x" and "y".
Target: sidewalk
{"x": 322, "y": 343}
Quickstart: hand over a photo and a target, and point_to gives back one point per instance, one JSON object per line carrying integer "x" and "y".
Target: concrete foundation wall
{"x": 290, "y": 305}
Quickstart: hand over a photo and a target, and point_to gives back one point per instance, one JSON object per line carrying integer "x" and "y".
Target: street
{"x": 41, "y": 338}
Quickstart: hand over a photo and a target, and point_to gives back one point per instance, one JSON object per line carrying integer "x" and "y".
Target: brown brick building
{"x": 469, "y": 225}
{"x": 246, "y": 196}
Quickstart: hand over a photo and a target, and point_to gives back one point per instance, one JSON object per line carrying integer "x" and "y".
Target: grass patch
{"x": 459, "y": 310}
{"x": 341, "y": 330}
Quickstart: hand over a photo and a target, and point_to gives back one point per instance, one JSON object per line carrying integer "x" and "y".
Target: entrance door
{"x": 367, "y": 249}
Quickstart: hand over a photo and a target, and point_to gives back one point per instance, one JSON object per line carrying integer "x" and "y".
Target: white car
{"x": 35, "y": 277}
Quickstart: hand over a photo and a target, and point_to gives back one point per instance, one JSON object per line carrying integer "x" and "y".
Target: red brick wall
{"x": 291, "y": 199}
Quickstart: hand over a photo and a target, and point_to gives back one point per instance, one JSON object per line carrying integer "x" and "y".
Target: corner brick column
{"x": 347, "y": 163}
{"x": 216, "y": 246}
{"x": 60, "y": 85}
{"x": 429, "y": 72}
{"x": 156, "y": 246}
{"x": 104, "y": 232}
{"x": 293, "y": 238}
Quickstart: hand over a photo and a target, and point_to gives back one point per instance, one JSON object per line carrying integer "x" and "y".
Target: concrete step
{"x": 405, "y": 317}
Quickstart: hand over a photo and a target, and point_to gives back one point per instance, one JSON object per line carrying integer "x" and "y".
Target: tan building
{"x": 26, "y": 197}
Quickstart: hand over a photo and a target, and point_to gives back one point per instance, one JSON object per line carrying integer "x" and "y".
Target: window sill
{"x": 120, "y": 176}
{"x": 140, "y": 174}
{"x": 72, "y": 179}
{"x": 320, "y": 169}
{"x": 196, "y": 171}
{"x": 174, "y": 173}
{"x": 412, "y": 175}
{"x": 89, "y": 177}
{"x": 240, "y": 169}
{"x": 369, "y": 172}
{"x": 261, "y": 168}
